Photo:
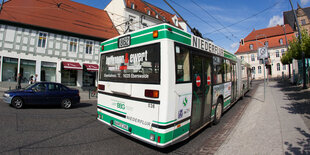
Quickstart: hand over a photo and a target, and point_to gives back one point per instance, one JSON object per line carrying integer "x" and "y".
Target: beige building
{"x": 274, "y": 38}
{"x": 302, "y": 17}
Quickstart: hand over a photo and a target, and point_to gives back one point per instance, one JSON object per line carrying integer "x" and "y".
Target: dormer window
{"x": 148, "y": 12}
{"x": 132, "y": 5}
{"x": 251, "y": 46}
{"x": 156, "y": 15}
{"x": 266, "y": 43}
{"x": 281, "y": 41}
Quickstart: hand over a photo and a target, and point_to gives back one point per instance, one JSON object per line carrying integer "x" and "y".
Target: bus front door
{"x": 201, "y": 107}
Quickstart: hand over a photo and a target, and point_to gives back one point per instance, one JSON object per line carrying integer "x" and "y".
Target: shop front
{"x": 48, "y": 71}
{"x": 69, "y": 73}
{"x": 27, "y": 70}
{"x": 9, "y": 69}
{"x": 89, "y": 74}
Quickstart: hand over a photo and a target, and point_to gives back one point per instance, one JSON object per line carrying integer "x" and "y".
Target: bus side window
{"x": 182, "y": 64}
{"x": 218, "y": 70}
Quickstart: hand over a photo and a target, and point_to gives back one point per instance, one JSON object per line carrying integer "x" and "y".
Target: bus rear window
{"x": 136, "y": 65}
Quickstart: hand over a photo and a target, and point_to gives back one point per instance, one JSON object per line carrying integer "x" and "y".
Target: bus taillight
{"x": 151, "y": 93}
{"x": 102, "y": 47}
{"x": 158, "y": 139}
{"x": 101, "y": 87}
{"x": 155, "y": 34}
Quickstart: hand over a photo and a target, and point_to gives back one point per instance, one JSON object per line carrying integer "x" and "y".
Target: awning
{"x": 92, "y": 67}
{"x": 72, "y": 65}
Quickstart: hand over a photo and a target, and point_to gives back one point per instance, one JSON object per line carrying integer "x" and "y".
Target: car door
{"x": 53, "y": 93}
{"x": 38, "y": 95}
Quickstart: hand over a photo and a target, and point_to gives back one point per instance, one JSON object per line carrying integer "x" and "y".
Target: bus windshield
{"x": 135, "y": 65}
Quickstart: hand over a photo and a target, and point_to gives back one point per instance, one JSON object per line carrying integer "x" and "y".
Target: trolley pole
{"x": 302, "y": 52}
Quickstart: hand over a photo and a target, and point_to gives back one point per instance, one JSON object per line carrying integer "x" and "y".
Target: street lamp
{"x": 303, "y": 53}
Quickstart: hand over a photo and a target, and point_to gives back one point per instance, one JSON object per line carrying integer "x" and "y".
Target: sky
{"x": 223, "y": 21}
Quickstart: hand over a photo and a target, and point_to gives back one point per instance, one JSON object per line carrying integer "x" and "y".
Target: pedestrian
{"x": 31, "y": 79}
{"x": 35, "y": 78}
{"x": 19, "y": 79}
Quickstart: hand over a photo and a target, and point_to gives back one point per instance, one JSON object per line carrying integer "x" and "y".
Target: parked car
{"x": 42, "y": 93}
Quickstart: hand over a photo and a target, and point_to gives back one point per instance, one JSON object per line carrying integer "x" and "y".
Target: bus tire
{"x": 218, "y": 111}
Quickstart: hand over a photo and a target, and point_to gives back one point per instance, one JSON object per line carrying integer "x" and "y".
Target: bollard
{"x": 89, "y": 94}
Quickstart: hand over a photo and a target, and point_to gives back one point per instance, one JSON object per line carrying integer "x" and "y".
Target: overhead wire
{"x": 214, "y": 18}
{"x": 256, "y": 14}
{"x": 203, "y": 20}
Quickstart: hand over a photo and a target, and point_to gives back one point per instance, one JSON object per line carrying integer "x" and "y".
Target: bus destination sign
{"x": 124, "y": 41}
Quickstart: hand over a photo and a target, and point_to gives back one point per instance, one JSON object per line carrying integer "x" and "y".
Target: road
{"x": 52, "y": 130}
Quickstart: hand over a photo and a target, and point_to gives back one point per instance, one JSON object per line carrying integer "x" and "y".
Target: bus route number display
{"x": 124, "y": 41}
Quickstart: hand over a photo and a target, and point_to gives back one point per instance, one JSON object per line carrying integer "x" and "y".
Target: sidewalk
{"x": 277, "y": 126}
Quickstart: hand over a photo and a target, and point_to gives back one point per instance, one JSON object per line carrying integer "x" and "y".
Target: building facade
{"x": 302, "y": 14}
{"x": 275, "y": 40}
{"x": 131, "y": 15}
{"x": 57, "y": 42}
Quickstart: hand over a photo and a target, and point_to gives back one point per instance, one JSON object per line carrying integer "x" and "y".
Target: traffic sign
{"x": 208, "y": 80}
{"x": 198, "y": 81}
{"x": 262, "y": 53}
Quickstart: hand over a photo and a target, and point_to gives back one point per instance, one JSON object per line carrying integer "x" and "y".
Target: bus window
{"x": 182, "y": 64}
{"x": 136, "y": 65}
{"x": 228, "y": 71}
{"x": 218, "y": 70}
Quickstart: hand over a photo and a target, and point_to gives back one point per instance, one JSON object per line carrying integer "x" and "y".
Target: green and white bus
{"x": 161, "y": 84}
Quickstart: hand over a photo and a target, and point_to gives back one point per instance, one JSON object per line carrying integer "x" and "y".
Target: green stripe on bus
{"x": 112, "y": 109}
{"x": 226, "y": 103}
{"x": 145, "y": 133}
{"x": 137, "y": 38}
{"x": 164, "y": 122}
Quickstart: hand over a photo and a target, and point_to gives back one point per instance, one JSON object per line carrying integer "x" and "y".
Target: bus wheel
{"x": 218, "y": 111}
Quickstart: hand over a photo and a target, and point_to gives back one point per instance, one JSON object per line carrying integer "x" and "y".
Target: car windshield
{"x": 29, "y": 86}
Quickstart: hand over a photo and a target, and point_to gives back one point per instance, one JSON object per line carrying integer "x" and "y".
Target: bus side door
{"x": 201, "y": 104}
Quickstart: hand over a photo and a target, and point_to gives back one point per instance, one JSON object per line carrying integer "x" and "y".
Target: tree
{"x": 295, "y": 48}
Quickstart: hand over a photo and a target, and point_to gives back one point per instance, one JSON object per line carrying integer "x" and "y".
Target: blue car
{"x": 42, "y": 93}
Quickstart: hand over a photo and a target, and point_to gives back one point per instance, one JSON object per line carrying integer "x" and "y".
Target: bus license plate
{"x": 124, "y": 126}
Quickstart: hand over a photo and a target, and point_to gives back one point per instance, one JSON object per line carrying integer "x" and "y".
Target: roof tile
{"x": 65, "y": 16}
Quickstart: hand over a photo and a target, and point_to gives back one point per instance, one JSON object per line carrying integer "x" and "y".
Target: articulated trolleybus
{"x": 161, "y": 84}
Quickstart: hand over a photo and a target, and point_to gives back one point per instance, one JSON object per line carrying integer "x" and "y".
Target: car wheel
{"x": 218, "y": 111}
{"x": 17, "y": 102}
{"x": 66, "y": 103}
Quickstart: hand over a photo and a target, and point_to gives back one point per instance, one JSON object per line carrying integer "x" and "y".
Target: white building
{"x": 130, "y": 15}
{"x": 57, "y": 41}
{"x": 275, "y": 39}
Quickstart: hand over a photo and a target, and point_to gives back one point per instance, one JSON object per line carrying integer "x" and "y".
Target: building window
{"x": 42, "y": 39}
{"x": 266, "y": 43}
{"x": 89, "y": 47}
{"x": 277, "y": 54}
{"x": 252, "y": 57}
{"x": 242, "y": 57}
{"x": 253, "y": 70}
{"x": 156, "y": 15}
{"x": 148, "y": 12}
{"x": 9, "y": 69}
{"x": 281, "y": 41}
{"x": 73, "y": 44}
{"x": 278, "y": 66}
{"x": 251, "y": 46}
{"x": 259, "y": 69}
{"x": 303, "y": 22}
{"x": 284, "y": 67}
{"x": 282, "y": 52}
{"x": 132, "y": 5}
